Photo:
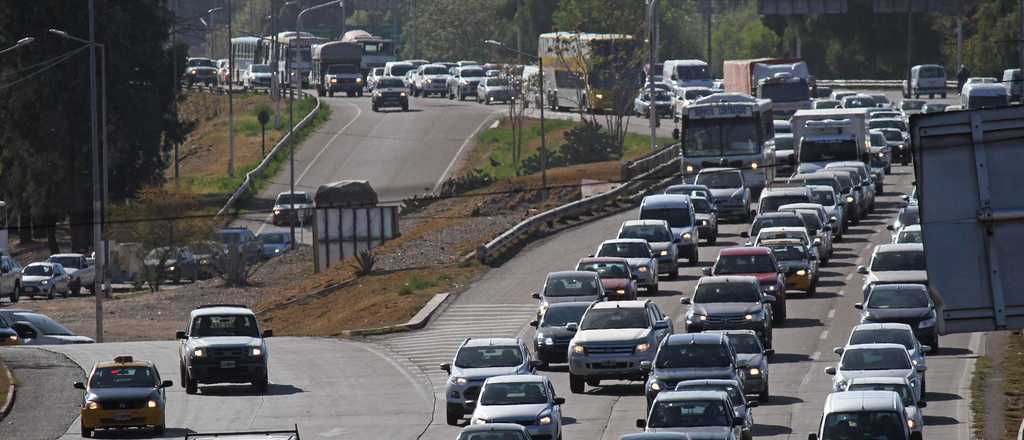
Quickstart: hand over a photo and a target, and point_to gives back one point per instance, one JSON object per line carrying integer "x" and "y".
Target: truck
{"x": 336, "y": 68}
{"x": 81, "y": 273}
{"x": 377, "y": 51}
{"x": 829, "y": 135}
{"x": 785, "y": 81}
{"x": 967, "y": 169}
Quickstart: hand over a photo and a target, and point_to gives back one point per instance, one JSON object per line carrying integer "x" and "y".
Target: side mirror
{"x": 769, "y": 352}
{"x": 744, "y": 234}
{"x": 79, "y": 385}
{"x": 676, "y": 239}
{"x": 812, "y": 436}
{"x": 641, "y": 423}
{"x": 922, "y": 404}
{"x": 769, "y": 299}
{"x": 685, "y": 300}
{"x": 753, "y": 404}
{"x": 661, "y": 325}
{"x": 675, "y": 133}
{"x": 927, "y": 348}
{"x": 706, "y": 271}
{"x": 572, "y": 326}
{"x": 890, "y": 227}
{"x": 863, "y": 270}
{"x": 831, "y": 371}
{"x": 645, "y": 365}
{"x": 268, "y": 333}
{"x": 859, "y": 306}
{"x": 538, "y": 364}
{"x": 180, "y": 335}
{"x": 826, "y": 228}
{"x": 838, "y": 350}
{"x": 833, "y": 220}
{"x": 559, "y": 400}
{"x": 534, "y": 323}
{"x": 535, "y": 295}
{"x": 905, "y": 198}
{"x": 446, "y": 367}
{"x": 792, "y": 160}
{"x": 166, "y": 384}
{"x": 922, "y": 368}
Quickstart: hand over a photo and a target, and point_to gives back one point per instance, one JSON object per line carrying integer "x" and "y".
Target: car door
{"x": 28, "y": 333}
{"x": 555, "y": 409}
{"x": 655, "y": 316}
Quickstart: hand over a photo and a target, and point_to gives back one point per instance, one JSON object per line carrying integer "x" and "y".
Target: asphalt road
{"x": 45, "y": 403}
{"x": 400, "y": 153}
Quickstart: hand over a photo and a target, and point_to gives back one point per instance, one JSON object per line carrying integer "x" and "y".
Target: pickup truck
{"x": 80, "y": 272}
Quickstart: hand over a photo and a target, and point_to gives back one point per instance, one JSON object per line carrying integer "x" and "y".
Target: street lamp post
{"x": 543, "y": 146}
{"x": 231, "y": 99}
{"x": 21, "y": 43}
{"x": 209, "y": 26}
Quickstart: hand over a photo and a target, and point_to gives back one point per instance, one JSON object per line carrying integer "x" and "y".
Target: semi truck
{"x": 785, "y": 81}
{"x": 829, "y": 135}
{"x": 336, "y": 68}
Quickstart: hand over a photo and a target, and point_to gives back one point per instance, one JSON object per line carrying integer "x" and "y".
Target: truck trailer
{"x": 336, "y": 68}
{"x": 785, "y": 81}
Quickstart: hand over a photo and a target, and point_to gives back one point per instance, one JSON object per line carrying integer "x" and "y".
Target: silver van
{"x": 926, "y": 79}
{"x": 981, "y": 95}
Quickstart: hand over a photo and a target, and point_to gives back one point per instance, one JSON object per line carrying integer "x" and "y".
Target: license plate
{"x": 121, "y": 416}
{"x": 227, "y": 364}
{"x": 30, "y": 289}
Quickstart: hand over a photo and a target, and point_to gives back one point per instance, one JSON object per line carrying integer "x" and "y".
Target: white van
{"x": 926, "y": 79}
{"x": 864, "y": 414}
{"x": 1012, "y": 80}
{"x": 687, "y": 73}
{"x": 398, "y": 68}
{"x": 984, "y": 95}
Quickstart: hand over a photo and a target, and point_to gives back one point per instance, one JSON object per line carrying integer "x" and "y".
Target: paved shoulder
{"x": 46, "y": 403}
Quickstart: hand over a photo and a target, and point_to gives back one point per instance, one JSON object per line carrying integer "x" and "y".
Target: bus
{"x": 293, "y": 52}
{"x": 377, "y": 51}
{"x": 728, "y": 130}
{"x": 590, "y": 71}
{"x": 248, "y": 51}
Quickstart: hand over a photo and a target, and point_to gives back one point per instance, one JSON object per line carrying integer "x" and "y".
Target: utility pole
{"x": 231, "y": 99}
{"x": 652, "y": 109}
{"x": 97, "y": 191}
{"x": 910, "y": 46}
{"x": 174, "y": 73}
{"x": 707, "y": 28}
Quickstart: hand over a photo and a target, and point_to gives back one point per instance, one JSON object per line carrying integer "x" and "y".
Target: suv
{"x": 729, "y": 303}
{"x": 729, "y": 191}
{"x": 926, "y": 79}
{"x": 10, "y": 278}
{"x": 390, "y": 92}
{"x": 864, "y": 414}
{"x": 222, "y": 343}
{"x": 464, "y": 81}
{"x": 284, "y": 214}
{"x": 80, "y": 272}
{"x": 689, "y": 356}
{"x": 678, "y": 212}
{"x": 760, "y": 263}
{"x": 612, "y": 341}
{"x": 431, "y": 79}
{"x": 752, "y": 359}
{"x": 475, "y": 361}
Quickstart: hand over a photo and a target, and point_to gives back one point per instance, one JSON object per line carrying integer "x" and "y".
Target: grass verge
{"x": 982, "y": 367}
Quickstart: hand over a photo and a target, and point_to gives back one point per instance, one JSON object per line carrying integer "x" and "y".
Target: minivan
{"x": 686, "y": 73}
{"x": 926, "y": 79}
{"x": 864, "y": 414}
{"x": 981, "y": 95}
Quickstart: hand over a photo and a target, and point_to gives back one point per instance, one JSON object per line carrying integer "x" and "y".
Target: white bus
{"x": 377, "y": 51}
{"x": 608, "y": 61}
{"x": 294, "y": 53}
{"x": 248, "y": 51}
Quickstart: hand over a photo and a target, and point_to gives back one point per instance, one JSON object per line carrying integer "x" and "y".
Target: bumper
{"x": 687, "y": 249}
{"x": 391, "y": 102}
{"x": 754, "y": 384}
{"x": 434, "y": 88}
{"x": 34, "y": 290}
{"x": 128, "y": 418}
{"x": 625, "y": 367}
{"x": 468, "y": 90}
{"x": 289, "y": 216}
{"x": 758, "y": 327}
{"x": 729, "y": 209}
{"x": 645, "y": 279}
{"x": 706, "y": 231}
{"x": 461, "y": 399}
{"x": 345, "y": 87}
{"x": 552, "y": 354}
{"x": 799, "y": 282}
{"x": 667, "y": 265}
{"x": 543, "y": 432}
{"x": 498, "y": 97}
{"x": 245, "y": 372}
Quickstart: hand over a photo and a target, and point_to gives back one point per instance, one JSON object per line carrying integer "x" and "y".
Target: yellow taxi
{"x": 799, "y": 263}
{"x": 123, "y": 394}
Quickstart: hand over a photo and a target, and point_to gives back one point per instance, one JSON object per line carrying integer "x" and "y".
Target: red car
{"x": 760, "y": 263}
{"x": 615, "y": 276}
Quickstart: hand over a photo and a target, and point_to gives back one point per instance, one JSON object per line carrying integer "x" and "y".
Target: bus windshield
{"x": 721, "y": 137}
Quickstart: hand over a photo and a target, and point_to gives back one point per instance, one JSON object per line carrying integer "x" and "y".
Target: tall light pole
{"x": 543, "y": 147}
{"x": 209, "y": 25}
{"x": 231, "y": 99}
{"x": 21, "y": 43}
{"x": 652, "y": 110}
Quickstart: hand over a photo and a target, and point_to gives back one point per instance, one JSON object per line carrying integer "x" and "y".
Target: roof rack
{"x": 210, "y": 306}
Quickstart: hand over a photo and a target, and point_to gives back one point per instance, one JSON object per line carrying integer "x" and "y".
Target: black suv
{"x": 223, "y": 344}
{"x": 391, "y": 92}
{"x": 730, "y": 303}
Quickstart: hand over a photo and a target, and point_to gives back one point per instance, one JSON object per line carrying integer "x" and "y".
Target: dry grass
{"x": 1013, "y": 385}
{"x": 981, "y": 370}
{"x": 4, "y": 383}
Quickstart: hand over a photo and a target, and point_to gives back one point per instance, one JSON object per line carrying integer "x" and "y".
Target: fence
{"x": 342, "y": 232}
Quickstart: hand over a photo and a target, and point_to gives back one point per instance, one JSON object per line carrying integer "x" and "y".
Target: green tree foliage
{"x": 989, "y": 34}
{"x": 455, "y": 29}
{"x": 46, "y": 133}
{"x": 588, "y": 143}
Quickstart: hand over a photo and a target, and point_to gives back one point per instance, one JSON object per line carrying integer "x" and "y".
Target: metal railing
{"x": 640, "y": 166}
{"x": 871, "y": 83}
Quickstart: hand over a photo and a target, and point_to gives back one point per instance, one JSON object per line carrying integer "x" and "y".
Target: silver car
{"x": 45, "y": 279}
{"x": 890, "y": 333}
{"x": 475, "y": 361}
{"x": 752, "y": 359}
{"x": 707, "y": 414}
{"x": 911, "y": 404}
{"x": 643, "y": 263}
{"x": 527, "y": 400}
{"x": 743, "y": 407}
{"x": 658, "y": 235}
{"x": 876, "y": 360}
{"x": 894, "y": 264}
{"x": 492, "y": 90}
{"x": 569, "y": 286}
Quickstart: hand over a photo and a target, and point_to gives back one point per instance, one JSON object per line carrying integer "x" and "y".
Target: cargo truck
{"x": 336, "y": 68}
{"x": 829, "y": 135}
{"x": 785, "y": 81}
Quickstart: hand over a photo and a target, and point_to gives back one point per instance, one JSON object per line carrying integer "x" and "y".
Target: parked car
{"x": 390, "y": 92}
{"x": 292, "y": 208}
{"x": 37, "y": 329}
{"x": 274, "y": 243}
{"x": 643, "y": 264}
{"x": 475, "y": 361}
{"x": 551, "y": 341}
{"x": 10, "y": 279}
{"x": 616, "y": 277}
{"x": 257, "y": 76}
{"x": 659, "y": 236}
{"x": 45, "y": 279}
{"x": 240, "y": 240}
{"x": 80, "y": 272}
{"x": 528, "y": 400}
{"x": 493, "y": 89}
{"x": 172, "y": 263}
{"x": 568, "y": 286}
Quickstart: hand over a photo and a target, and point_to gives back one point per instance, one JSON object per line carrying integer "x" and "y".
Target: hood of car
{"x": 509, "y": 412}
{"x": 762, "y": 278}
{"x": 701, "y": 216}
{"x": 678, "y": 232}
{"x": 806, "y": 168}
{"x": 106, "y": 394}
{"x": 224, "y": 341}
{"x": 887, "y": 314}
{"x": 726, "y": 308}
{"x": 898, "y": 276}
{"x": 794, "y": 264}
{"x": 700, "y": 433}
{"x": 34, "y": 279}
{"x": 203, "y": 69}
{"x": 636, "y": 262}
{"x": 155, "y": 262}
{"x": 297, "y": 206}
{"x": 555, "y": 332}
{"x": 658, "y": 246}
{"x": 481, "y": 374}
{"x": 749, "y": 360}
{"x": 854, "y": 374}
{"x": 611, "y": 335}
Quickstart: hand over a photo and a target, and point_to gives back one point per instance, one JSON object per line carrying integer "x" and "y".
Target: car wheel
{"x": 453, "y": 418}
{"x": 86, "y": 432}
{"x": 405, "y": 108}
{"x": 50, "y": 294}
{"x": 675, "y": 273}
{"x": 159, "y": 430}
{"x": 653, "y": 290}
{"x": 713, "y": 238}
{"x": 76, "y": 291}
{"x": 881, "y": 188}
{"x": 375, "y": 108}
{"x": 261, "y": 384}
{"x": 694, "y": 258}
{"x": 16, "y": 293}
{"x": 191, "y": 386}
{"x": 747, "y": 435}
{"x": 577, "y": 384}
{"x": 888, "y": 170}
{"x": 813, "y": 289}
{"x": 594, "y": 382}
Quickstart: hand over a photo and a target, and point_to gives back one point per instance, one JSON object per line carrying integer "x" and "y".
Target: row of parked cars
{"x": 705, "y": 380}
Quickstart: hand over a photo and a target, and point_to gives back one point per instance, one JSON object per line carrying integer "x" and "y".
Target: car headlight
{"x": 578, "y": 349}
{"x": 930, "y": 322}
{"x": 277, "y": 211}
{"x": 687, "y": 236}
{"x": 753, "y": 165}
{"x": 402, "y": 94}
{"x": 771, "y": 288}
{"x": 171, "y": 268}
{"x": 549, "y": 341}
{"x": 901, "y": 146}
{"x": 642, "y": 269}
{"x": 460, "y": 380}
{"x": 754, "y": 372}
{"x": 656, "y": 386}
{"x": 849, "y": 199}
{"x": 13, "y": 337}
{"x": 910, "y": 424}
{"x": 256, "y": 351}
{"x": 663, "y": 253}
{"x": 198, "y": 353}
{"x": 754, "y": 316}
{"x": 92, "y": 405}
{"x": 598, "y": 96}
{"x": 801, "y": 272}
{"x": 703, "y": 222}
{"x": 546, "y": 420}
{"x": 204, "y": 261}
{"x": 45, "y": 282}
{"x": 151, "y": 404}
{"x": 620, "y": 291}
{"x": 689, "y": 168}
{"x": 880, "y": 154}
{"x": 642, "y": 347}
{"x": 481, "y": 421}
{"x": 817, "y": 240}
{"x": 359, "y": 80}
{"x": 334, "y": 80}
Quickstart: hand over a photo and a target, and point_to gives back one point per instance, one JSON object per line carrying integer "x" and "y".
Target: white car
{"x": 371, "y": 78}
{"x": 908, "y": 234}
{"x": 911, "y": 405}
{"x": 889, "y": 333}
{"x": 256, "y": 76}
{"x": 875, "y": 360}
{"x": 894, "y": 264}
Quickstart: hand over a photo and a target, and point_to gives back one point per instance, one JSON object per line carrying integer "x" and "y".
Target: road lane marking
{"x": 458, "y": 154}
{"x": 815, "y": 355}
{"x": 962, "y": 409}
{"x": 842, "y": 293}
{"x": 849, "y": 277}
{"x": 824, "y": 335}
{"x": 495, "y": 124}
{"x": 831, "y": 313}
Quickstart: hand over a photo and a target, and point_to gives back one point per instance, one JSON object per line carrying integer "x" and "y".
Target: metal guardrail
{"x": 872, "y": 83}
{"x": 247, "y": 182}
{"x": 640, "y": 166}
{"x": 629, "y": 192}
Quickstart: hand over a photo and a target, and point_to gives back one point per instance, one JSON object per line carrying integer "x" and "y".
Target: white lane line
{"x": 495, "y": 124}
{"x": 842, "y": 293}
{"x": 298, "y": 179}
{"x": 815, "y": 355}
{"x": 963, "y": 411}
{"x": 849, "y": 277}
{"x": 458, "y": 154}
{"x": 824, "y": 335}
{"x": 831, "y": 313}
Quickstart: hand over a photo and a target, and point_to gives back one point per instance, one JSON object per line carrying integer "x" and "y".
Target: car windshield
{"x": 123, "y": 377}
{"x": 745, "y": 343}
{"x": 733, "y": 292}
{"x": 898, "y": 260}
{"x": 721, "y": 137}
{"x": 38, "y": 270}
{"x": 286, "y": 199}
{"x": 784, "y": 143}
{"x": 273, "y": 238}
{"x": 693, "y": 72}
{"x": 224, "y": 325}
{"x": 471, "y": 73}
{"x": 606, "y": 270}
{"x": 569, "y": 285}
{"x": 260, "y": 68}
{"x": 875, "y": 359}
{"x": 653, "y": 234}
{"x": 67, "y": 262}
{"x": 911, "y": 105}
{"x": 525, "y": 393}
{"x": 693, "y": 94}
{"x": 772, "y": 203}
{"x": 892, "y": 135}
{"x": 690, "y": 413}
{"x": 561, "y": 315}
{"x": 874, "y": 425}
{"x": 492, "y": 435}
{"x": 775, "y": 222}
{"x": 701, "y": 205}
{"x": 436, "y": 70}
{"x": 378, "y": 71}
{"x": 811, "y": 219}
{"x": 739, "y": 264}
{"x": 906, "y": 395}
{"x": 386, "y": 83}
{"x": 828, "y": 150}
{"x": 789, "y": 252}
{"x": 338, "y": 69}
{"x": 497, "y": 82}
{"x": 825, "y": 104}
{"x": 161, "y": 253}
{"x": 898, "y": 299}
{"x": 200, "y": 62}
{"x": 975, "y": 101}
{"x": 883, "y": 336}
{"x": 693, "y": 356}
{"x": 720, "y": 179}
{"x": 44, "y": 324}
{"x": 399, "y": 70}
{"x": 489, "y": 357}
{"x": 823, "y": 197}
{"x": 677, "y": 217}
{"x": 625, "y": 250}
{"x": 910, "y": 237}
{"x": 617, "y": 318}
{"x": 859, "y": 103}
{"x": 887, "y": 123}
{"x": 932, "y": 72}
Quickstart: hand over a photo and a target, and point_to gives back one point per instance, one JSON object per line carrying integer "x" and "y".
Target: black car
{"x": 730, "y": 303}
{"x": 707, "y": 218}
{"x": 390, "y": 92}
{"x": 551, "y": 342}
{"x": 902, "y": 303}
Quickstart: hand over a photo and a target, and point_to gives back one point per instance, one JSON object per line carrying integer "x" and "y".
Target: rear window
{"x": 653, "y": 234}
{"x": 678, "y": 217}
{"x": 572, "y": 286}
{"x": 772, "y": 203}
{"x": 775, "y": 222}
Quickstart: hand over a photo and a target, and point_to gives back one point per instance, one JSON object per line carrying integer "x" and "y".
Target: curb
{"x": 418, "y": 321}
{"x": 10, "y": 394}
